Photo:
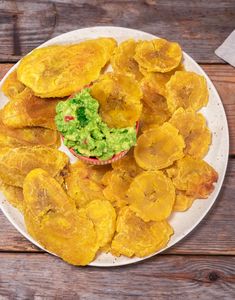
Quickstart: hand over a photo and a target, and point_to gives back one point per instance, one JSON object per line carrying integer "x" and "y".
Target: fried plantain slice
{"x": 192, "y": 126}
{"x": 136, "y": 237}
{"x": 157, "y": 81}
{"x": 96, "y": 173}
{"x": 123, "y": 60}
{"x": 14, "y": 195}
{"x": 151, "y": 196}
{"x": 53, "y": 220}
{"x": 119, "y": 98}
{"x": 12, "y": 87}
{"x": 182, "y": 201}
{"x": 16, "y": 163}
{"x": 128, "y": 164}
{"x": 159, "y": 147}
{"x": 84, "y": 183}
{"x": 60, "y": 70}
{"x": 106, "y": 178}
{"x": 162, "y": 78}
{"x": 194, "y": 176}
{"x": 150, "y": 119}
{"x": 28, "y": 136}
{"x": 158, "y": 55}
{"x": 118, "y": 181}
{"x": 187, "y": 90}
{"x": 155, "y": 110}
{"x": 103, "y": 216}
{"x": 117, "y": 187}
{"x": 29, "y": 110}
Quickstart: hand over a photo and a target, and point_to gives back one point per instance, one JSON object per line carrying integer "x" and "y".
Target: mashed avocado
{"x": 83, "y": 130}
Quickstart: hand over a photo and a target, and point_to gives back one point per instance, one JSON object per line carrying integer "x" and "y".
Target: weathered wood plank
{"x": 215, "y": 235}
{"x": 223, "y": 76}
{"x": 29, "y": 276}
{"x": 199, "y": 26}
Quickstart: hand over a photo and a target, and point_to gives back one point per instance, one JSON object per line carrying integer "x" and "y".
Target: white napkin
{"x": 227, "y": 50}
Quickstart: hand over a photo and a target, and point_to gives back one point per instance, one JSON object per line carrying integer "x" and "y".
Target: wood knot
{"x": 213, "y": 276}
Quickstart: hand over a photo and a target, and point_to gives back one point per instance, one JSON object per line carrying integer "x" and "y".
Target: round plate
{"x": 182, "y": 222}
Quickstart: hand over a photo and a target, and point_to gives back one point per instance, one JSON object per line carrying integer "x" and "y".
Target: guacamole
{"x": 79, "y": 122}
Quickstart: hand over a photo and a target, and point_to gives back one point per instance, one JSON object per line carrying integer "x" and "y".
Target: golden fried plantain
{"x": 53, "y": 220}
{"x": 12, "y": 87}
{"x": 187, "y": 90}
{"x": 106, "y": 178}
{"x": 123, "y": 59}
{"x": 182, "y": 201}
{"x": 14, "y": 195}
{"x": 151, "y": 119}
{"x": 155, "y": 110}
{"x": 16, "y": 163}
{"x": 162, "y": 78}
{"x": 151, "y": 196}
{"x": 192, "y": 126}
{"x": 28, "y": 136}
{"x": 194, "y": 176}
{"x": 119, "y": 98}
{"x": 157, "y": 81}
{"x": 96, "y": 173}
{"x": 158, "y": 55}
{"x": 118, "y": 180}
{"x": 59, "y": 71}
{"x": 117, "y": 187}
{"x": 84, "y": 183}
{"x": 128, "y": 164}
{"x": 159, "y": 147}
{"x": 103, "y": 216}
{"x": 136, "y": 237}
{"x": 29, "y": 110}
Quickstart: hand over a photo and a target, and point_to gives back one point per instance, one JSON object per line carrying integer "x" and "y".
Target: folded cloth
{"x": 227, "y": 50}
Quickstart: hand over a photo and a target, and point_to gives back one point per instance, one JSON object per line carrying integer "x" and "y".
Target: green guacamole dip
{"x": 83, "y": 130}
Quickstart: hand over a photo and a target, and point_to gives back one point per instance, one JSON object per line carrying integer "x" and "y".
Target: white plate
{"x": 183, "y": 223}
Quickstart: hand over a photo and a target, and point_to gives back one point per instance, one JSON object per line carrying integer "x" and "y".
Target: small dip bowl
{"x": 94, "y": 160}
{"x": 97, "y": 161}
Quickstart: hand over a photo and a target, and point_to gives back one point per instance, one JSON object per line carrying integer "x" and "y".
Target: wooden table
{"x": 202, "y": 266}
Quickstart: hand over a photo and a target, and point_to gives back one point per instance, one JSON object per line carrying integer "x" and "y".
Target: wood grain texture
{"x": 223, "y": 77}
{"x": 215, "y": 235}
{"x": 28, "y": 276}
{"x": 199, "y": 26}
